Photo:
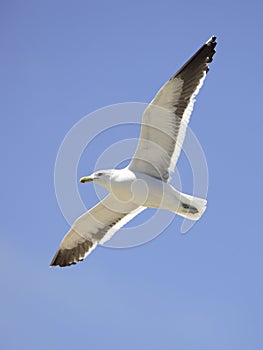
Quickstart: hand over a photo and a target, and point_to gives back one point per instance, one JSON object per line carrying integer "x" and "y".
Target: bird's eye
{"x": 99, "y": 174}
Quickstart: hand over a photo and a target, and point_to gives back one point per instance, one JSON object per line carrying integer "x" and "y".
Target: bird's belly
{"x": 122, "y": 190}
{"x": 138, "y": 191}
{"x": 154, "y": 193}
{"x": 146, "y": 191}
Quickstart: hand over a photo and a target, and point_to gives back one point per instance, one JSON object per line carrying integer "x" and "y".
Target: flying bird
{"x": 144, "y": 183}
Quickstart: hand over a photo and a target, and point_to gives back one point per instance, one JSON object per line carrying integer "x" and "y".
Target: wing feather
{"x": 165, "y": 120}
{"x": 95, "y": 226}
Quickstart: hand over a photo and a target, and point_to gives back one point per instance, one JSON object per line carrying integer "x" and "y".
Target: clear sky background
{"x": 61, "y": 60}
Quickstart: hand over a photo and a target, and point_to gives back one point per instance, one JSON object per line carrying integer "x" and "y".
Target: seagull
{"x": 144, "y": 183}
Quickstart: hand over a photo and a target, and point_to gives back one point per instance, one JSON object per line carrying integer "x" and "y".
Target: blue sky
{"x": 61, "y": 60}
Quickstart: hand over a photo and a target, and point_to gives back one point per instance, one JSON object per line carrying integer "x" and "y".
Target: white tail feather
{"x": 191, "y": 207}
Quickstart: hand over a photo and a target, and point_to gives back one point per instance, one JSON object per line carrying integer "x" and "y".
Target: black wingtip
{"x": 61, "y": 259}
{"x": 212, "y": 39}
{"x": 58, "y": 260}
{"x": 68, "y": 257}
{"x": 211, "y": 43}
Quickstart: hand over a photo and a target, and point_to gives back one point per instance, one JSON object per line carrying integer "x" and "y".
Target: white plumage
{"x": 144, "y": 183}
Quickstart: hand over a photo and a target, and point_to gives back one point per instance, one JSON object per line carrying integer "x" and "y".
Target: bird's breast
{"x": 135, "y": 190}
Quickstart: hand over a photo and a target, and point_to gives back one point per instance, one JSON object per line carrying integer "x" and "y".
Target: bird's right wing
{"x": 165, "y": 120}
{"x": 95, "y": 226}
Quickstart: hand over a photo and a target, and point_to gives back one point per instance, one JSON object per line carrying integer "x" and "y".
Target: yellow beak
{"x": 86, "y": 179}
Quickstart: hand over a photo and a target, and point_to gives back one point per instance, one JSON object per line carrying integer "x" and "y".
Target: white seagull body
{"x": 144, "y": 183}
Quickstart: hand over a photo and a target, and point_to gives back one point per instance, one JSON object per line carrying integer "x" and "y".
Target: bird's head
{"x": 100, "y": 177}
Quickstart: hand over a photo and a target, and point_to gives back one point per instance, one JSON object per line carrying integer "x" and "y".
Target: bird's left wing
{"x": 95, "y": 226}
{"x": 165, "y": 120}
